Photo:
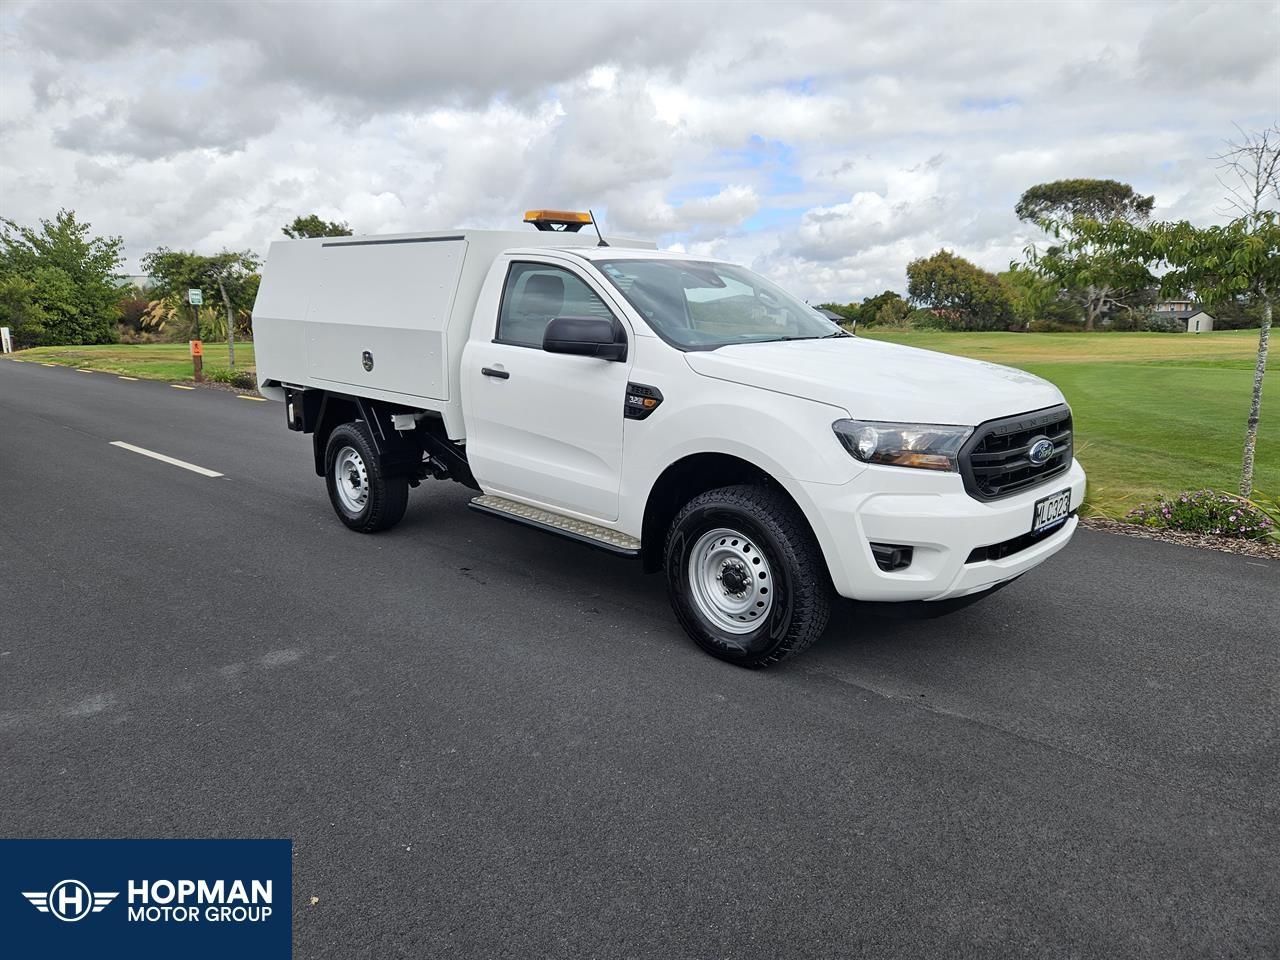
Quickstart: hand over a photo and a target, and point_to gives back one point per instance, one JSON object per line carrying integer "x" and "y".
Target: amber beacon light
{"x": 568, "y": 221}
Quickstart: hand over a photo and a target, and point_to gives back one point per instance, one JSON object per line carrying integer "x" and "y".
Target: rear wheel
{"x": 363, "y": 496}
{"x": 746, "y": 577}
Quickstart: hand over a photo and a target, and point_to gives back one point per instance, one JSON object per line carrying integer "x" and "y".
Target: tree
{"x": 134, "y": 319}
{"x": 887, "y": 307}
{"x": 1217, "y": 263}
{"x": 313, "y": 226}
{"x": 1220, "y": 264}
{"x": 1099, "y": 279}
{"x": 961, "y": 294}
{"x": 71, "y": 279}
{"x": 1100, "y": 283}
{"x": 1102, "y": 200}
{"x": 1037, "y": 301}
{"x": 893, "y": 313}
{"x": 1238, "y": 313}
{"x": 21, "y": 312}
{"x": 172, "y": 274}
{"x": 247, "y": 296}
{"x": 233, "y": 273}
{"x": 871, "y": 309}
{"x": 1249, "y": 170}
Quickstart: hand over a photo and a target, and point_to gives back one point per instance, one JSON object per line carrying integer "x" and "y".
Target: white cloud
{"x": 827, "y": 146}
{"x": 649, "y": 213}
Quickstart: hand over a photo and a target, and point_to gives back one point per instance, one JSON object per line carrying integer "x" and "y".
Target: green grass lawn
{"x": 147, "y": 361}
{"x": 1018, "y": 349}
{"x": 1154, "y": 413}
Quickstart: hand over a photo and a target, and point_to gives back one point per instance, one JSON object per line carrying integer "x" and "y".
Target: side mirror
{"x": 585, "y": 337}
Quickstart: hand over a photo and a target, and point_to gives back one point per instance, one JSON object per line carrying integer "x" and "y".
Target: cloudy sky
{"x": 824, "y": 144}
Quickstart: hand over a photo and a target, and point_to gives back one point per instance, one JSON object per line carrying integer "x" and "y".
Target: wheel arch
{"x": 335, "y": 409}
{"x": 683, "y": 480}
{"x": 397, "y": 452}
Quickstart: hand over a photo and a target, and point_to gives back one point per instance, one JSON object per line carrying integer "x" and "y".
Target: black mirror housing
{"x": 585, "y": 337}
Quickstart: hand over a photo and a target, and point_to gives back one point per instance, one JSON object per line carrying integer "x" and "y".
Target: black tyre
{"x": 746, "y": 577}
{"x": 363, "y": 497}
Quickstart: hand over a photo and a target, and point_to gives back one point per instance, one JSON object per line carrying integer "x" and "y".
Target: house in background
{"x": 843, "y": 321}
{"x": 1199, "y": 322}
{"x": 1188, "y": 314}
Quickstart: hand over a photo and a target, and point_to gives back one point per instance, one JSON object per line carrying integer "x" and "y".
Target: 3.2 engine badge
{"x": 641, "y": 401}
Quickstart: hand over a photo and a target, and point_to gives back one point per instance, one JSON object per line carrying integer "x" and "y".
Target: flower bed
{"x": 1205, "y": 512}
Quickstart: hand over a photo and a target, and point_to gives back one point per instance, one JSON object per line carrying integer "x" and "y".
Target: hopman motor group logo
{"x": 146, "y": 899}
{"x": 70, "y": 900}
{"x": 162, "y": 901}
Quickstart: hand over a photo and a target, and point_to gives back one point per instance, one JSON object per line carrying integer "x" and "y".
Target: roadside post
{"x": 197, "y": 359}
{"x": 6, "y": 341}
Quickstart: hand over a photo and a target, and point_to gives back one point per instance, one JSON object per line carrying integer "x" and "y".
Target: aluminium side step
{"x": 589, "y": 533}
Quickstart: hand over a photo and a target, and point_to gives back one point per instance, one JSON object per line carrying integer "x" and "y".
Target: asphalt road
{"x": 488, "y": 742}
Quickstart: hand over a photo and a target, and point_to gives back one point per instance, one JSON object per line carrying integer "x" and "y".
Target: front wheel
{"x": 363, "y": 496}
{"x": 746, "y": 578}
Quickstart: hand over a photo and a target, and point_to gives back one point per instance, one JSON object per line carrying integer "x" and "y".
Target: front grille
{"x": 994, "y": 463}
{"x": 1006, "y": 548}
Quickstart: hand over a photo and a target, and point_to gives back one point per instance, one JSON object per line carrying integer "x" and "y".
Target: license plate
{"x": 1051, "y": 511}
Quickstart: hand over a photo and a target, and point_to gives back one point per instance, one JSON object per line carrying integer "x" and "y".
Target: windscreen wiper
{"x": 825, "y": 336}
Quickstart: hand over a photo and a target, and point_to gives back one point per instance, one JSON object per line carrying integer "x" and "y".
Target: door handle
{"x": 494, "y": 372}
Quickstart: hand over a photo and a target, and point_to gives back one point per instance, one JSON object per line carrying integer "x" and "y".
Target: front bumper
{"x": 932, "y": 513}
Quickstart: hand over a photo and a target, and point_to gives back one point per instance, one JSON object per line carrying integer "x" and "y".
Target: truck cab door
{"x": 544, "y": 427}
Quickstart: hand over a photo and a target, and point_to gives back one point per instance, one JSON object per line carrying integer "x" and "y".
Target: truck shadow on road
{"x": 497, "y": 553}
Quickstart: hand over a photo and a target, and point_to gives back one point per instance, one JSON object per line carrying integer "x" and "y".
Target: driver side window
{"x": 537, "y": 293}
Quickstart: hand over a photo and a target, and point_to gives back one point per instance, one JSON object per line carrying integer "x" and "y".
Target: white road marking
{"x": 178, "y": 386}
{"x": 43, "y": 364}
{"x": 83, "y": 370}
{"x": 134, "y": 379}
{"x": 161, "y": 457}
{"x": 243, "y": 396}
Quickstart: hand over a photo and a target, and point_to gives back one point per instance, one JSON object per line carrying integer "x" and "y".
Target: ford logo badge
{"x": 1041, "y": 451}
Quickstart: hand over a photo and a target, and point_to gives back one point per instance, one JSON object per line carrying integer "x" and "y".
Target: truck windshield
{"x": 697, "y": 305}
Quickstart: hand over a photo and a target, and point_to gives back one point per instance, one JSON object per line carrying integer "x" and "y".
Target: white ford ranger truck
{"x": 673, "y": 408}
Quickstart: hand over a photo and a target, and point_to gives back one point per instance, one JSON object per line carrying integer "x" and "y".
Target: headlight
{"x": 929, "y": 446}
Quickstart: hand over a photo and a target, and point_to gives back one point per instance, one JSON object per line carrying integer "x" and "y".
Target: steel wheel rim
{"x": 730, "y": 580}
{"x": 351, "y": 479}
